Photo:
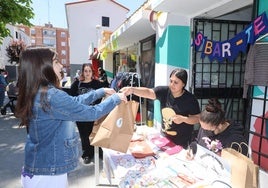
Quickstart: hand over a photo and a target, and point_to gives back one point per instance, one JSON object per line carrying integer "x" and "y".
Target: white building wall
{"x": 82, "y": 19}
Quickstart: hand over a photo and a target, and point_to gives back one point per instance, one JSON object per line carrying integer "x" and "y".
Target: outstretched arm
{"x": 139, "y": 91}
{"x": 191, "y": 119}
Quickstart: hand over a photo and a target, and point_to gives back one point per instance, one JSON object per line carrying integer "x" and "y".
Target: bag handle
{"x": 238, "y": 145}
{"x": 240, "y": 149}
{"x": 249, "y": 153}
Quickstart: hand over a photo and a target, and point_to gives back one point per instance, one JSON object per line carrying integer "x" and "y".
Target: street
{"x": 12, "y": 140}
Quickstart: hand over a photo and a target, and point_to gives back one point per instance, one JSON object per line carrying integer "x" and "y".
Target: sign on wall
{"x": 229, "y": 49}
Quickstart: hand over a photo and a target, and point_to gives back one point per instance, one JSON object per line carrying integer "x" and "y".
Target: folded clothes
{"x": 166, "y": 145}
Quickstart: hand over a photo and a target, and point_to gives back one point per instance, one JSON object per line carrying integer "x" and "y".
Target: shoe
{"x": 87, "y": 160}
{"x": 3, "y": 111}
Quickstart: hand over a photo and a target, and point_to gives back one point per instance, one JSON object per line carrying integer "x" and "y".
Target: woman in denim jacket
{"x": 49, "y": 114}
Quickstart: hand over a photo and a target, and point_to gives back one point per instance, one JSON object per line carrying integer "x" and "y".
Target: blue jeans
{"x": 2, "y": 97}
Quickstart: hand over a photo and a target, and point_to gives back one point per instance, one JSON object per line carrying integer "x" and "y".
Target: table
{"x": 164, "y": 170}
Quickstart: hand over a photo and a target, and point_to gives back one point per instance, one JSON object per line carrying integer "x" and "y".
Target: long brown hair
{"x": 35, "y": 72}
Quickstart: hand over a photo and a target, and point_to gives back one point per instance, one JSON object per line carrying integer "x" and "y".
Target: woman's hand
{"x": 126, "y": 90}
{"x": 178, "y": 119}
{"x": 189, "y": 154}
{"x": 109, "y": 91}
{"x": 122, "y": 96}
{"x": 191, "y": 119}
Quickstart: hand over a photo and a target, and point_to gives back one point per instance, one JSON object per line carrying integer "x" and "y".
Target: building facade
{"x": 54, "y": 37}
{"x": 87, "y": 21}
{"x": 47, "y": 35}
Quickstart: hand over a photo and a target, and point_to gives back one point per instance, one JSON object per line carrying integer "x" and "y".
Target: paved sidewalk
{"x": 12, "y": 140}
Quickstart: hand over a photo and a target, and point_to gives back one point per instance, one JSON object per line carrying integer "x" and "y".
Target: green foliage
{"x": 14, "y": 12}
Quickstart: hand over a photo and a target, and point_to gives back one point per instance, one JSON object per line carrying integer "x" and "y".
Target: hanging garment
{"x": 256, "y": 67}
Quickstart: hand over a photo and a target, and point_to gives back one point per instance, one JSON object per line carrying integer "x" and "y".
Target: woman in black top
{"x": 182, "y": 102}
{"x": 215, "y": 128}
{"x": 85, "y": 83}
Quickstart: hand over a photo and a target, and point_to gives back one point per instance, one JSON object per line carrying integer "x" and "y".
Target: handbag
{"x": 116, "y": 130}
{"x": 244, "y": 173}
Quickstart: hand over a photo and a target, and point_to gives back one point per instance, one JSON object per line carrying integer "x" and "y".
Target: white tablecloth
{"x": 206, "y": 169}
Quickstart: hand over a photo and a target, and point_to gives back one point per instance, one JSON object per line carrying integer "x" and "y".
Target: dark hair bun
{"x": 214, "y": 106}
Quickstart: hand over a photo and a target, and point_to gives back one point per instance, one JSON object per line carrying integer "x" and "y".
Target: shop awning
{"x": 138, "y": 26}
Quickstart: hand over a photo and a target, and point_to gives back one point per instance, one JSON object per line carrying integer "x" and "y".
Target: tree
{"x": 14, "y": 12}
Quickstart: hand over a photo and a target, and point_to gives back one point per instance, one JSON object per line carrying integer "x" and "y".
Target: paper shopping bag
{"x": 98, "y": 122}
{"x": 116, "y": 130}
{"x": 96, "y": 127}
{"x": 244, "y": 173}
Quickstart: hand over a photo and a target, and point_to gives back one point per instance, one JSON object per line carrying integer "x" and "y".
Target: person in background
{"x": 49, "y": 114}
{"x": 182, "y": 102}
{"x": 217, "y": 132}
{"x": 84, "y": 85}
{"x": 103, "y": 77}
{"x": 3, "y": 85}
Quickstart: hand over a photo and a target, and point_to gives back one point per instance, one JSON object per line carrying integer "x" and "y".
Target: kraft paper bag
{"x": 96, "y": 127}
{"x": 244, "y": 173}
{"x": 116, "y": 130}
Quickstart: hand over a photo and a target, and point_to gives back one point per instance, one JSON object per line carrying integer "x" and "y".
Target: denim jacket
{"x": 52, "y": 145}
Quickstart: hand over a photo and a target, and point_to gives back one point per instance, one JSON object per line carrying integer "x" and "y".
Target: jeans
{"x": 2, "y": 97}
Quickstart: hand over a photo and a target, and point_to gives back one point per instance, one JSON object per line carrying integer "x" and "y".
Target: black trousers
{"x": 85, "y": 129}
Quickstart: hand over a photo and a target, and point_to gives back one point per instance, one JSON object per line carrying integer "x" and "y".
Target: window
{"x": 63, "y": 34}
{"x": 63, "y": 52}
{"x": 49, "y": 33}
{"x": 49, "y": 42}
{"x": 33, "y": 41}
{"x": 63, "y": 43}
{"x": 63, "y": 61}
{"x": 105, "y": 21}
{"x": 32, "y": 31}
{"x": 221, "y": 80}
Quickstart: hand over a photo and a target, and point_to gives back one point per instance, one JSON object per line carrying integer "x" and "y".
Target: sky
{"x": 56, "y": 15}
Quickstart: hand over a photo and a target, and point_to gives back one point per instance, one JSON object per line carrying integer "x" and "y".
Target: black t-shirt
{"x": 80, "y": 87}
{"x": 184, "y": 105}
{"x": 230, "y": 137}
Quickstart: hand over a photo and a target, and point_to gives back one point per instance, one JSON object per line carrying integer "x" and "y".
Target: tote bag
{"x": 116, "y": 130}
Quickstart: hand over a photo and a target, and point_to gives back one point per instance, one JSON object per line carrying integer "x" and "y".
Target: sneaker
{"x": 3, "y": 111}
